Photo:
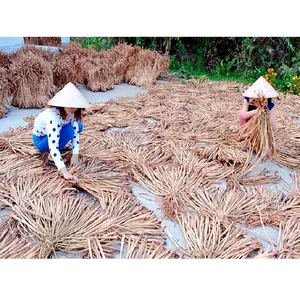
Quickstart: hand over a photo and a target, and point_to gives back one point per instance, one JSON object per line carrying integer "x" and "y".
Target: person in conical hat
{"x": 259, "y": 88}
{"x": 57, "y": 128}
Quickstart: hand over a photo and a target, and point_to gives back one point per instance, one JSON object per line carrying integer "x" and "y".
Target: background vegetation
{"x": 241, "y": 59}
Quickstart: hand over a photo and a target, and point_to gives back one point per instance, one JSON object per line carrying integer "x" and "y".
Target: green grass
{"x": 216, "y": 77}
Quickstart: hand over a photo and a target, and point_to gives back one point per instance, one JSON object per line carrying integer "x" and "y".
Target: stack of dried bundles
{"x": 5, "y": 60}
{"x": 98, "y": 72}
{"x": 258, "y": 132}
{"x": 63, "y": 70}
{"x": 131, "y": 63}
{"x": 46, "y": 41}
{"x": 120, "y": 58}
{"x": 4, "y": 92}
{"x": 74, "y": 49}
{"x": 46, "y": 54}
{"x": 64, "y": 65}
{"x": 32, "y": 79}
{"x": 5, "y": 83}
{"x": 148, "y": 66}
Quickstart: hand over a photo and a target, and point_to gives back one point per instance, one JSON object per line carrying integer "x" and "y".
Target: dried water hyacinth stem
{"x": 189, "y": 160}
{"x": 169, "y": 183}
{"x": 208, "y": 238}
{"x": 288, "y": 244}
{"x": 296, "y": 178}
{"x": 110, "y": 156}
{"x": 272, "y": 208}
{"x": 286, "y": 159}
{"x": 130, "y": 138}
{"x": 129, "y": 219}
{"x": 13, "y": 246}
{"x": 267, "y": 255}
{"x": 61, "y": 223}
{"x": 132, "y": 219}
{"x": 19, "y": 141}
{"x": 226, "y": 206}
{"x": 17, "y": 190}
{"x": 223, "y": 153}
{"x": 15, "y": 164}
{"x": 95, "y": 177}
{"x": 241, "y": 174}
{"x": 99, "y": 249}
{"x": 135, "y": 150}
{"x": 140, "y": 248}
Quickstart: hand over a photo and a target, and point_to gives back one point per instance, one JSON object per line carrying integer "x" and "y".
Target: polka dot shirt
{"x": 50, "y": 123}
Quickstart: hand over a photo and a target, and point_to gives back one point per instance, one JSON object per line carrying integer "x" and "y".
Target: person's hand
{"x": 258, "y": 112}
{"x": 67, "y": 175}
{"x": 74, "y": 160}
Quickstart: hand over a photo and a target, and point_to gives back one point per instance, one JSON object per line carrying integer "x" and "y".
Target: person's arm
{"x": 247, "y": 114}
{"x": 75, "y": 143}
{"x": 53, "y": 127}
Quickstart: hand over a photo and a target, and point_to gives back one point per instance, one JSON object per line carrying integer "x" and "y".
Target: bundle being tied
{"x": 258, "y": 132}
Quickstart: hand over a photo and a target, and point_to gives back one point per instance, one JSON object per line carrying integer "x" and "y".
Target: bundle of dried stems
{"x": 258, "y": 133}
{"x": 61, "y": 223}
{"x": 16, "y": 190}
{"x": 209, "y": 238}
{"x": 19, "y": 141}
{"x": 63, "y": 70}
{"x": 170, "y": 183}
{"x": 32, "y": 78}
{"x": 95, "y": 176}
{"x": 130, "y": 221}
{"x": 11, "y": 163}
{"x": 4, "y": 92}
{"x": 288, "y": 244}
{"x": 142, "y": 249}
{"x": 14, "y": 247}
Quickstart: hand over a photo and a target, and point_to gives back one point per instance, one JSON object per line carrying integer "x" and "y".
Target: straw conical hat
{"x": 69, "y": 96}
{"x": 260, "y": 88}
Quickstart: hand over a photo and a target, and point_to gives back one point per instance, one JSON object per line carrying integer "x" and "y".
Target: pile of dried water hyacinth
{"x": 176, "y": 141}
{"x": 30, "y": 76}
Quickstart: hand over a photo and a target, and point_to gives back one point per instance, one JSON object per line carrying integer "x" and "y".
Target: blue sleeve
{"x": 246, "y": 98}
{"x": 270, "y": 104}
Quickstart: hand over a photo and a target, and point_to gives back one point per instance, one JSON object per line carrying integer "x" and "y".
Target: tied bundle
{"x": 4, "y": 92}
{"x": 32, "y": 79}
{"x": 258, "y": 132}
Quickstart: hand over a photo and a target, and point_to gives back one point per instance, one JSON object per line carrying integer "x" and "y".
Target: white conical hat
{"x": 69, "y": 96}
{"x": 259, "y": 88}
